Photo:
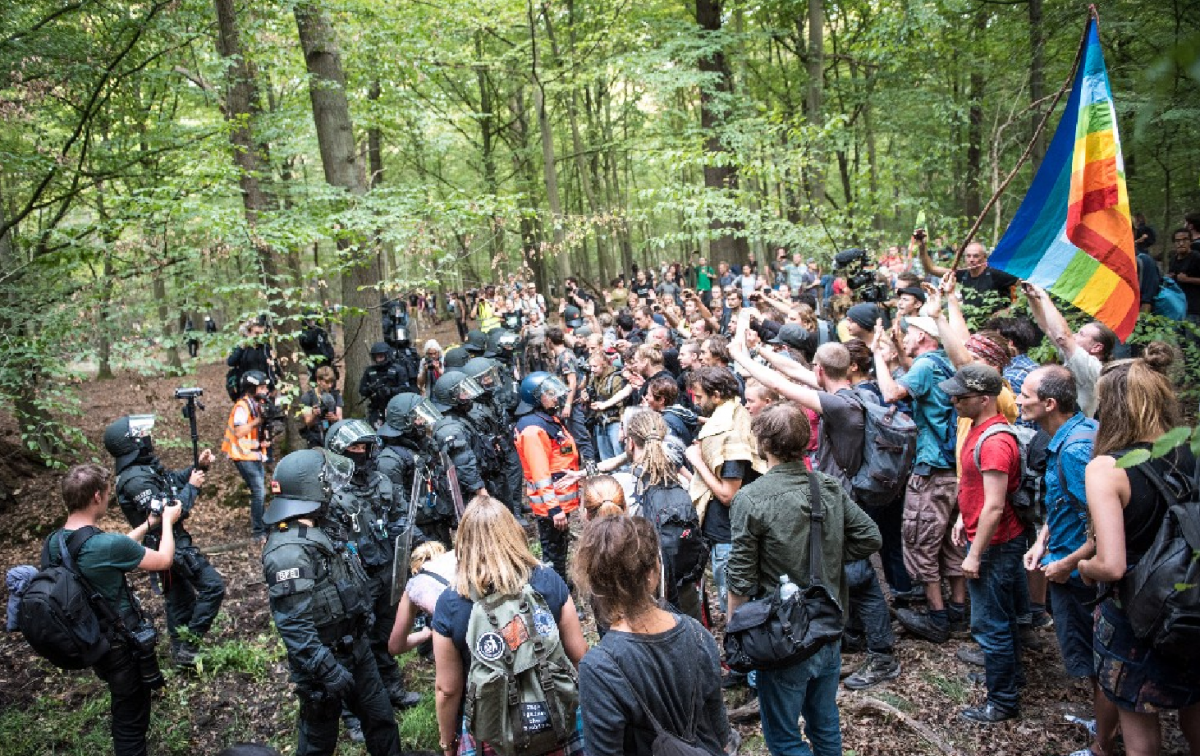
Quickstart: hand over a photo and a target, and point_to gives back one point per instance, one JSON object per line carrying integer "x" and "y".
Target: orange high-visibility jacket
{"x": 244, "y": 448}
{"x": 547, "y": 450}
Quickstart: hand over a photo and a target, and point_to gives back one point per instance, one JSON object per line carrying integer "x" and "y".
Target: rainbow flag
{"x": 1072, "y": 234}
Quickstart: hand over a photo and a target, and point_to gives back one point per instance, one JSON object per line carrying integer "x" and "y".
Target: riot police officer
{"x": 504, "y": 478}
{"x": 192, "y": 589}
{"x": 455, "y": 358}
{"x": 395, "y": 316}
{"x": 424, "y": 454}
{"x": 365, "y": 516}
{"x": 382, "y": 380}
{"x": 476, "y": 343}
{"x": 403, "y": 353}
{"x": 502, "y": 346}
{"x": 317, "y": 346}
{"x": 320, "y": 601}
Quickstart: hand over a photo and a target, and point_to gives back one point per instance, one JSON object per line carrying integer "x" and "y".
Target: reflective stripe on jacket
{"x": 547, "y": 451}
{"x": 243, "y": 448}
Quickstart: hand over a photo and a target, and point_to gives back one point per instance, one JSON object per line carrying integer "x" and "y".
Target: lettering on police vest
{"x": 292, "y": 574}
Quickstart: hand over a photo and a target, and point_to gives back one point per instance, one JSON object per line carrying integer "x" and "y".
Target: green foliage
{"x": 254, "y": 658}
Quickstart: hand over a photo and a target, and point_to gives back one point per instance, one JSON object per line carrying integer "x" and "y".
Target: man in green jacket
{"x": 770, "y": 521}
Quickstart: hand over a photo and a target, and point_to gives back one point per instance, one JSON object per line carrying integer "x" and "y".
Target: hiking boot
{"x": 878, "y": 668}
{"x": 354, "y": 729}
{"x": 901, "y": 599}
{"x": 400, "y": 698}
{"x": 183, "y": 653}
{"x": 989, "y": 713}
{"x": 970, "y": 655}
{"x": 1029, "y": 638}
{"x": 922, "y": 625}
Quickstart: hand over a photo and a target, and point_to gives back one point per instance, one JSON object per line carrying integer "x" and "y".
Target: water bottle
{"x": 787, "y": 588}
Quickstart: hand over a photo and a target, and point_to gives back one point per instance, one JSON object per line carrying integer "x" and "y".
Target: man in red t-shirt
{"x": 989, "y": 526}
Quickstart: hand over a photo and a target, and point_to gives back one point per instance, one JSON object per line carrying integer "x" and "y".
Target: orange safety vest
{"x": 242, "y": 448}
{"x": 547, "y": 450}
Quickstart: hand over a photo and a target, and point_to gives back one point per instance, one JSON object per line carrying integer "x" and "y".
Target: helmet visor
{"x": 488, "y": 379}
{"x": 509, "y": 341}
{"x": 553, "y": 388}
{"x": 424, "y": 415}
{"x": 352, "y": 432}
{"x": 337, "y": 471}
{"x": 468, "y": 388}
{"x": 140, "y": 426}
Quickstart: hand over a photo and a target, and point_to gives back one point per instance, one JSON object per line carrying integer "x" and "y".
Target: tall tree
{"x": 339, "y": 159}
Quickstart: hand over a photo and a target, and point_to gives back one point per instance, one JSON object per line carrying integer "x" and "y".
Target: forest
{"x": 168, "y": 159}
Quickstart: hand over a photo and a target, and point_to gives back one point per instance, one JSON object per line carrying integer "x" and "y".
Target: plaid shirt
{"x": 1016, "y": 370}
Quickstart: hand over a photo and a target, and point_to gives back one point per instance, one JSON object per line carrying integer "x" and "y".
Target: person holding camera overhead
{"x": 192, "y": 589}
{"x": 130, "y": 668}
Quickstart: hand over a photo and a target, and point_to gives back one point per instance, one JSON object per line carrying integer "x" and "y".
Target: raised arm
{"x": 1049, "y": 319}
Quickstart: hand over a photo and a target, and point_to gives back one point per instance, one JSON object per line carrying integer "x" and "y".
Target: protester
{"x": 1084, "y": 353}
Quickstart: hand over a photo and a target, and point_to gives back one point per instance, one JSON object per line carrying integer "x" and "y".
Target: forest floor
{"x": 240, "y": 692}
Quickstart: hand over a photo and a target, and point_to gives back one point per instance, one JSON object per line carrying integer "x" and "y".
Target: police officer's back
{"x": 320, "y": 602}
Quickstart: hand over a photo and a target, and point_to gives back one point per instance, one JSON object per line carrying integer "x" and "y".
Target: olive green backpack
{"x": 522, "y": 690}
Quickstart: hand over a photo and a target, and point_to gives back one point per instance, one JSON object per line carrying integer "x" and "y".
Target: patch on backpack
{"x": 534, "y": 717}
{"x": 515, "y": 633}
{"x": 543, "y": 622}
{"x": 292, "y": 574}
{"x": 490, "y": 646}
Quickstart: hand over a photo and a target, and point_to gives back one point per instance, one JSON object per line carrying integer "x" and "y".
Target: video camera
{"x": 853, "y": 263}
{"x": 192, "y": 398}
{"x": 189, "y": 393}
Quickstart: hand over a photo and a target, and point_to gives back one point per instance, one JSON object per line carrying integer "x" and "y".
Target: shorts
{"x": 1073, "y": 625}
{"x": 1132, "y": 674}
{"x": 930, "y": 509}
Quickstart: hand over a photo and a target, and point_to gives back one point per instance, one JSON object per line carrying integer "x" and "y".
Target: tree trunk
{"x": 975, "y": 87}
{"x": 549, "y": 171}
{"x": 814, "y": 94}
{"x": 339, "y": 159}
{"x": 159, "y": 285}
{"x": 1037, "y": 78}
{"x": 727, "y": 243}
{"x": 487, "y": 136}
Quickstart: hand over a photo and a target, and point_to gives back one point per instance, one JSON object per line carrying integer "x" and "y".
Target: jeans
{"x": 608, "y": 442}
{"x": 809, "y": 688}
{"x": 868, "y": 608}
{"x": 130, "y": 700}
{"x": 720, "y": 558}
{"x": 994, "y": 606}
{"x": 255, "y": 475}
{"x": 577, "y": 425}
{"x": 889, "y": 518}
{"x": 194, "y": 592}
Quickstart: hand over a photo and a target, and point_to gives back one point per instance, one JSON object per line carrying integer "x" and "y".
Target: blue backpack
{"x": 1170, "y": 301}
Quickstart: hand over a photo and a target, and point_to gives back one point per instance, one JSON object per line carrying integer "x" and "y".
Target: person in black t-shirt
{"x": 1185, "y": 269}
{"x": 977, "y": 278}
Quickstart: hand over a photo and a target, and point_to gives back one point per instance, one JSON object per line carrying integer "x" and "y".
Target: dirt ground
{"x": 243, "y": 694}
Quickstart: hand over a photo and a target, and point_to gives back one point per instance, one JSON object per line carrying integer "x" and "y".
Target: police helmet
{"x": 476, "y": 342}
{"x": 406, "y": 412}
{"x": 346, "y": 433}
{"x": 126, "y": 437}
{"x": 455, "y": 358}
{"x": 536, "y": 385}
{"x": 455, "y": 389}
{"x": 485, "y": 372}
{"x": 251, "y": 380}
{"x": 304, "y": 481}
{"x": 500, "y": 341}
{"x": 380, "y": 348}
{"x": 400, "y": 336}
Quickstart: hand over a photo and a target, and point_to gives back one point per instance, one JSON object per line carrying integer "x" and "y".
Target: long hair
{"x": 492, "y": 552}
{"x": 648, "y": 430}
{"x": 1136, "y": 399}
{"x": 602, "y": 496}
{"x": 616, "y": 562}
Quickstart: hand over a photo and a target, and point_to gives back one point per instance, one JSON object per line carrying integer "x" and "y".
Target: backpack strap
{"x": 815, "y": 529}
{"x": 991, "y": 431}
{"x": 659, "y": 730}
{"x": 68, "y": 550}
{"x": 435, "y": 576}
{"x": 1075, "y": 437}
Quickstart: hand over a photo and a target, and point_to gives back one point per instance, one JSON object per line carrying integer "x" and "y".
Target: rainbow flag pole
{"x": 1072, "y": 234}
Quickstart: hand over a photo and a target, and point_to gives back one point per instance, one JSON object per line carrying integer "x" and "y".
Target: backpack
{"x": 232, "y": 378}
{"x": 61, "y": 615}
{"x": 522, "y": 691}
{"x": 1161, "y": 593}
{"x": 1170, "y": 301}
{"x": 680, "y": 537}
{"x": 889, "y": 446}
{"x": 1026, "y": 499}
{"x": 17, "y": 579}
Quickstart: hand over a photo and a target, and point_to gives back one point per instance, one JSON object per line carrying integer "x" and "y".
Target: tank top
{"x": 1147, "y": 508}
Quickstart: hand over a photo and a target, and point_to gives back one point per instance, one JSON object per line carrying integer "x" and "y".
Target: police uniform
{"x": 192, "y": 589}
{"x": 496, "y": 452}
{"x": 380, "y": 382}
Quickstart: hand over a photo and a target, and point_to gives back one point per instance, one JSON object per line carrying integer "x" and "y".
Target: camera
{"x": 853, "y": 263}
{"x": 158, "y": 503}
{"x": 145, "y": 638}
{"x": 189, "y": 393}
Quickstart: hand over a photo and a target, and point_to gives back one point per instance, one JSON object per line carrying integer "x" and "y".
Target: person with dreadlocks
{"x": 662, "y": 499}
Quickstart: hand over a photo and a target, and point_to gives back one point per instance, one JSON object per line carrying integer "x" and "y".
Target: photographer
{"x": 131, "y": 672}
{"x": 191, "y": 587}
{"x": 320, "y": 407}
{"x": 863, "y": 280}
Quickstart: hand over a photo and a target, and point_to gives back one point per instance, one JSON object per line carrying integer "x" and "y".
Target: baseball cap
{"x": 794, "y": 336}
{"x": 974, "y": 379}
{"x": 914, "y": 291}
{"x": 924, "y": 323}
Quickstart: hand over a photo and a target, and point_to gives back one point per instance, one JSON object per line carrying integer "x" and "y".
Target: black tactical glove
{"x": 337, "y": 679}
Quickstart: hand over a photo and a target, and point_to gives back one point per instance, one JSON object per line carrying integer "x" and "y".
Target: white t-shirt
{"x": 1086, "y": 370}
{"x": 424, "y": 589}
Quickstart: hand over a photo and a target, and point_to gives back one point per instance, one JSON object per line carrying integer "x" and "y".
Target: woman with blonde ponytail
{"x": 602, "y": 497}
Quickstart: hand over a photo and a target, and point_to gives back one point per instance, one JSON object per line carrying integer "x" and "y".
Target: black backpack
{"x": 1161, "y": 593}
{"x": 62, "y": 616}
{"x": 233, "y": 377}
{"x": 684, "y": 550}
{"x": 889, "y": 447}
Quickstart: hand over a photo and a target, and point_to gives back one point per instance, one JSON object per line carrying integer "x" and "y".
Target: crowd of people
{"x": 711, "y": 427}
